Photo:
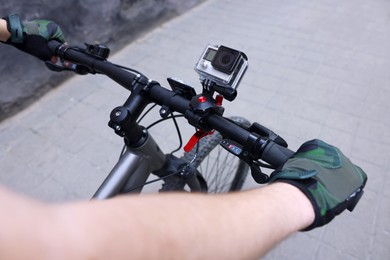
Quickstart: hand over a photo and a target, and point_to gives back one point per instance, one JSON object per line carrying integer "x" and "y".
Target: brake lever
{"x": 268, "y": 133}
{"x": 79, "y": 69}
{"x": 257, "y": 174}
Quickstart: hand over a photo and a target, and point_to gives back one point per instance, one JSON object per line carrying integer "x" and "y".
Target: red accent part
{"x": 218, "y": 100}
{"x": 195, "y": 139}
{"x": 202, "y": 99}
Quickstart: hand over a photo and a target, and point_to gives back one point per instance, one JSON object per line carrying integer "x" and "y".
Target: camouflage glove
{"x": 32, "y": 36}
{"x": 328, "y": 178}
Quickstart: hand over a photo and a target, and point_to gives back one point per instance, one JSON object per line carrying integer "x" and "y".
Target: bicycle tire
{"x": 218, "y": 170}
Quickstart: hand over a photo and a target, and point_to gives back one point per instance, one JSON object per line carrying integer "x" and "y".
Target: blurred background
{"x": 114, "y": 22}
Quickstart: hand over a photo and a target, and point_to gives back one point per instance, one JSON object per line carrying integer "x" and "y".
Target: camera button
{"x": 204, "y": 64}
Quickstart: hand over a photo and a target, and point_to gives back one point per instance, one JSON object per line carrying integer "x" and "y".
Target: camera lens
{"x": 225, "y": 59}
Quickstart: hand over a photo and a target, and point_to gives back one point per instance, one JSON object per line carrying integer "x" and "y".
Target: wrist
{"x": 4, "y": 33}
{"x": 299, "y": 204}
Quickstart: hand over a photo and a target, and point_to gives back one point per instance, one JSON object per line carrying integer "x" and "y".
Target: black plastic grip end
{"x": 54, "y": 46}
{"x": 275, "y": 154}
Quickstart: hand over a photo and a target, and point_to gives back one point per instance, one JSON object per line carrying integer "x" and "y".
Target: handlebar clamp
{"x": 118, "y": 118}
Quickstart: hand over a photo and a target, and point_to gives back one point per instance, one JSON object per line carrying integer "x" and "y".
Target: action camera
{"x": 222, "y": 66}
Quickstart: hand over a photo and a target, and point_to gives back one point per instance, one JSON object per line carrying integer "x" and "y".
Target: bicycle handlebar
{"x": 65, "y": 52}
{"x": 269, "y": 151}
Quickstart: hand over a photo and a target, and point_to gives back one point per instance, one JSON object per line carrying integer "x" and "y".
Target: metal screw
{"x": 118, "y": 127}
{"x": 118, "y": 113}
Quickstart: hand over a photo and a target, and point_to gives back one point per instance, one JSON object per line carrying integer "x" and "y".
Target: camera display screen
{"x": 210, "y": 54}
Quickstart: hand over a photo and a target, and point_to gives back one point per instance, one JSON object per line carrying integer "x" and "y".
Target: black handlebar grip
{"x": 53, "y": 45}
{"x": 275, "y": 154}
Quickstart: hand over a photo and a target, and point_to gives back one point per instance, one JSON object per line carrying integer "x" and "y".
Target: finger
{"x": 54, "y": 59}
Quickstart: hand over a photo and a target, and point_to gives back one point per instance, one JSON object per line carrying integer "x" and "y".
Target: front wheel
{"x": 218, "y": 170}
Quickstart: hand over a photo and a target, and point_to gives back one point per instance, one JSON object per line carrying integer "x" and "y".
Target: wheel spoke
{"x": 220, "y": 170}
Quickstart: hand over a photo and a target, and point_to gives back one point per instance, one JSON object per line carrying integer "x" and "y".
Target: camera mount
{"x": 227, "y": 92}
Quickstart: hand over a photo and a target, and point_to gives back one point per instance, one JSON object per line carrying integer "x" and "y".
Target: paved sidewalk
{"x": 318, "y": 69}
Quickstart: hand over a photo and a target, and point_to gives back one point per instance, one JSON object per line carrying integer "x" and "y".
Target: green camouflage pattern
{"x": 33, "y": 36}
{"x": 322, "y": 153}
{"x": 45, "y": 28}
{"x": 329, "y": 179}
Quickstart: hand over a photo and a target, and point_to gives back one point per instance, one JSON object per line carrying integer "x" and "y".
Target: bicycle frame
{"x": 132, "y": 169}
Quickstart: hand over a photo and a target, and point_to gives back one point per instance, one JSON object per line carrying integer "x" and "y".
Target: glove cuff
{"x": 14, "y": 26}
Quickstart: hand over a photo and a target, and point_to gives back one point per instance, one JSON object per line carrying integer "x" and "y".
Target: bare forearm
{"x": 234, "y": 226}
{"x": 4, "y": 33}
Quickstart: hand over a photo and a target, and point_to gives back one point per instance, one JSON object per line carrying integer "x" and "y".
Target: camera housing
{"x": 222, "y": 66}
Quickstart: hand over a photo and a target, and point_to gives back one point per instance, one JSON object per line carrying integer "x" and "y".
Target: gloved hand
{"x": 328, "y": 178}
{"x": 32, "y": 36}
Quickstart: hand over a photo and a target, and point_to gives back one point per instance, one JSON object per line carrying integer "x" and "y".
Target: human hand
{"x": 326, "y": 176}
{"x": 32, "y": 36}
